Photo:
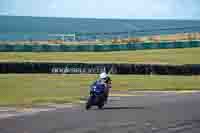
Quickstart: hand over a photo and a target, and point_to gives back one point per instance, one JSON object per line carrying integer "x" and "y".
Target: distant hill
{"x": 63, "y": 25}
{"x": 37, "y": 28}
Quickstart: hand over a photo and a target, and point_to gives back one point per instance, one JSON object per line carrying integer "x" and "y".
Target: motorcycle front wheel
{"x": 88, "y": 104}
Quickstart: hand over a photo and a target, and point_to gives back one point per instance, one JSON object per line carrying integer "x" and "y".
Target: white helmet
{"x": 103, "y": 75}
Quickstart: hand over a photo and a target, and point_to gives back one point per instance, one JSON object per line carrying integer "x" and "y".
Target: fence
{"x": 97, "y": 48}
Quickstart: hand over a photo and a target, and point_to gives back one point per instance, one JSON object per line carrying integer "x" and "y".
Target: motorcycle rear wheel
{"x": 100, "y": 106}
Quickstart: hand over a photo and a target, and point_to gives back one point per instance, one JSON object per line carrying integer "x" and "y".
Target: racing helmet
{"x": 103, "y": 75}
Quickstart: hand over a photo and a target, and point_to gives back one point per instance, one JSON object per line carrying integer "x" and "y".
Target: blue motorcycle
{"x": 97, "y": 96}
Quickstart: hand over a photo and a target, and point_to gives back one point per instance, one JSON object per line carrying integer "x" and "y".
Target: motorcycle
{"x": 96, "y": 98}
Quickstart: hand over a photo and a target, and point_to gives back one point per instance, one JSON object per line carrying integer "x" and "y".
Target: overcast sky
{"x": 131, "y": 9}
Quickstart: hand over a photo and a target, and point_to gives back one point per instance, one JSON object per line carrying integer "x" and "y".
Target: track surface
{"x": 160, "y": 113}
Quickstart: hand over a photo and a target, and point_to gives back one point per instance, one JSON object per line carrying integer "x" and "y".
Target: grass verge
{"x": 31, "y": 89}
{"x": 165, "y": 56}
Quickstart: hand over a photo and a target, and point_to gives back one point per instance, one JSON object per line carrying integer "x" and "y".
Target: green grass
{"x": 166, "y": 56}
{"x": 30, "y": 89}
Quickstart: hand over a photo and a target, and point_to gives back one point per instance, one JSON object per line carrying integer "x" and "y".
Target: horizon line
{"x": 104, "y": 18}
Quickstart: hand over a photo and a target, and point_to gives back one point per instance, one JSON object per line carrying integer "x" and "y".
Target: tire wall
{"x": 83, "y": 68}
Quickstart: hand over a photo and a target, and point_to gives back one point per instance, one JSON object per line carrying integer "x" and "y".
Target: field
{"x": 30, "y": 89}
{"x": 165, "y": 56}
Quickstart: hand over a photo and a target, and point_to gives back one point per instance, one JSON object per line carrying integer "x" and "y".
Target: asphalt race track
{"x": 148, "y": 113}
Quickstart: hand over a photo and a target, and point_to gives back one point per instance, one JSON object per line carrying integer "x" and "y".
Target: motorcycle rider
{"x": 105, "y": 81}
